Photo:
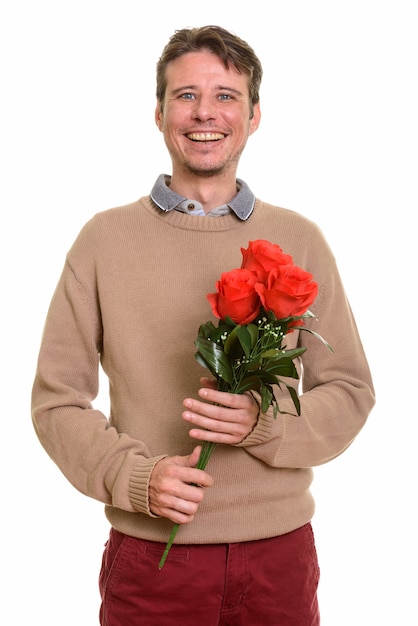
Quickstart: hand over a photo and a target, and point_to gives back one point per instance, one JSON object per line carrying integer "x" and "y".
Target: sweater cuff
{"x": 139, "y": 485}
{"x": 262, "y": 430}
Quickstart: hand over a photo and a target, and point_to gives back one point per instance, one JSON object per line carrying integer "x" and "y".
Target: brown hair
{"x": 227, "y": 46}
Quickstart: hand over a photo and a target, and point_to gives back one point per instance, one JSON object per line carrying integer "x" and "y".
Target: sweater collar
{"x": 242, "y": 204}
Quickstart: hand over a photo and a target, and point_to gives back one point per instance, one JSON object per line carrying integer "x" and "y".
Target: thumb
{"x": 194, "y": 457}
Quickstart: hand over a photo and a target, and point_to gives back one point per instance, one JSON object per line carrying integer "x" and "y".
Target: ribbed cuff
{"x": 262, "y": 430}
{"x": 139, "y": 485}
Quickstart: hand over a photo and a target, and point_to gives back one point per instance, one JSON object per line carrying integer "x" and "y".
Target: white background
{"x": 337, "y": 142}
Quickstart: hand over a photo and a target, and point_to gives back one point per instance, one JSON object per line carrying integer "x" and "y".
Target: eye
{"x": 225, "y": 96}
{"x": 187, "y": 96}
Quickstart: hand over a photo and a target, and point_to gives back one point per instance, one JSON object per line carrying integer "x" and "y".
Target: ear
{"x": 159, "y": 116}
{"x": 255, "y": 120}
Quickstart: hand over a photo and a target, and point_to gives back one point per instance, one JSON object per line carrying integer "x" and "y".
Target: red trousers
{"x": 270, "y": 581}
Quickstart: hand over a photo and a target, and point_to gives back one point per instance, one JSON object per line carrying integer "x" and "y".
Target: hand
{"x": 223, "y": 417}
{"x": 172, "y": 490}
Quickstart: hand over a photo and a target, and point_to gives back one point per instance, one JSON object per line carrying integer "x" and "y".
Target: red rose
{"x": 236, "y": 297}
{"x": 290, "y": 290}
{"x": 261, "y": 257}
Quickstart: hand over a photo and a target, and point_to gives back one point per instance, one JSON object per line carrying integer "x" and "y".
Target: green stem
{"x": 207, "y": 449}
{"x": 168, "y": 546}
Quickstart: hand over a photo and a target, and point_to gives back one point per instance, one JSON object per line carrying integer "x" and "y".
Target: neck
{"x": 211, "y": 192}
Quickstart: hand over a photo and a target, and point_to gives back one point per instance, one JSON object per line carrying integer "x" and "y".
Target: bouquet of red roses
{"x": 257, "y": 305}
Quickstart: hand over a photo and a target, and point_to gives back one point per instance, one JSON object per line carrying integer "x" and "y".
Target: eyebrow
{"x": 217, "y": 87}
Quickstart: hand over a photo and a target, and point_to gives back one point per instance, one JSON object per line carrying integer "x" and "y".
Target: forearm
{"x": 94, "y": 457}
{"x": 98, "y": 460}
{"x": 331, "y": 417}
{"x": 337, "y": 396}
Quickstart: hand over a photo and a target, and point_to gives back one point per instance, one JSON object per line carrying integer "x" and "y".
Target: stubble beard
{"x": 204, "y": 172}
{"x": 209, "y": 170}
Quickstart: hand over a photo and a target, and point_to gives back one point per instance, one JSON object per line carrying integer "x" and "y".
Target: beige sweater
{"x": 132, "y": 296}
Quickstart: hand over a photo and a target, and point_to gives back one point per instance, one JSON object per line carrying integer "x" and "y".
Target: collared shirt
{"x": 242, "y": 204}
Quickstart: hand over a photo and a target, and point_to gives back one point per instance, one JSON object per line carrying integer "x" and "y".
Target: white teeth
{"x": 205, "y": 136}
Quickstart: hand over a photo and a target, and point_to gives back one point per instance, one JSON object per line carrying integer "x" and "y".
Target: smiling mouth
{"x": 205, "y": 136}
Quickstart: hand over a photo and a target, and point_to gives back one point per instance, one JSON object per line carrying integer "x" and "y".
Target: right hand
{"x": 172, "y": 493}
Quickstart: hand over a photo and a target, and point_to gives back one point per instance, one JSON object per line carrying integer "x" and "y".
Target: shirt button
{"x": 190, "y": 207}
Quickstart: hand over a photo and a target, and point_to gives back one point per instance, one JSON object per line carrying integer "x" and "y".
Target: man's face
{"x": 206, "y": 115}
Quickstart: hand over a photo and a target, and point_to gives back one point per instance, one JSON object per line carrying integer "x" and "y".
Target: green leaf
{"x": 204, "y": 363}
{"x": 247, "y": 383}
{"x": 270, "y": 354}
{"x": 206, "y": 330}
{"x": 232, "y": 344}
{"x": 253, "y": 332}
{"x": 266, "y": 397}
{"x": 214, "y": 358}
{"x": 245, "y": 339}
{"x": 295, "y": 398}
{"x": 266, "y": 377}
{"x": 294, "y": 353}
{"x": 284, "y": 367}
{"x": 252, "y": 366}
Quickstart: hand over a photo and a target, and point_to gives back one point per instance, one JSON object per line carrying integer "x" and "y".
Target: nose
{"x": 204, "y": 109}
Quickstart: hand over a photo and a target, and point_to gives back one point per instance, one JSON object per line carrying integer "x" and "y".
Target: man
{"x": 131, "y": 297}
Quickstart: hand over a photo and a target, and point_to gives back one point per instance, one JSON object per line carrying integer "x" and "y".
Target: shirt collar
{"x": 242, "y": 204}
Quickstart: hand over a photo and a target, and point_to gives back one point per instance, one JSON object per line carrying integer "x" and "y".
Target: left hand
{"x": 222, "y": 417}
